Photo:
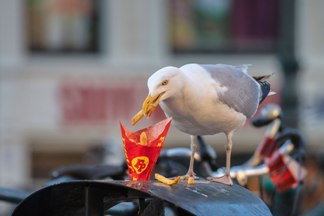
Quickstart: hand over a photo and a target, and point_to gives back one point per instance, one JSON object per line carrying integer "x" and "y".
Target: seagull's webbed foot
{"x": 226, "y": 179}
{"x": 190, "y": 174}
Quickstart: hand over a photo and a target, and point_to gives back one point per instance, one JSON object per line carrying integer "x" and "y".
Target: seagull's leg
{"x": 191, "y": 172}
{"x": 226, "y": 179}
{"x": 228, "y": 158}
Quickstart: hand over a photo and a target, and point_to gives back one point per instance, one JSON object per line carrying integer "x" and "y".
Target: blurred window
{"x": 64, "y": 26}
{"x": 234, "y": 26}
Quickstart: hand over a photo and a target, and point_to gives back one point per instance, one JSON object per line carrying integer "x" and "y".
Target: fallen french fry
{"x": 191, "y": 180}
{"x": 167, "y": 181}
{"x": 143, "y": 138}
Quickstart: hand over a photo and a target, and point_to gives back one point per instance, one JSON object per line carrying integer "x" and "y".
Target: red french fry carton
{"x": 141, "y": 158}
{"x": 285, "y": 172}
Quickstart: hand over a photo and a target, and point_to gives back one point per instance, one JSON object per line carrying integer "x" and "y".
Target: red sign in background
{"x": 83, "y": 103}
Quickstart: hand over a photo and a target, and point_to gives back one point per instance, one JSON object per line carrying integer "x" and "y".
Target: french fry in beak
{"x": 149, "y": 105}
{"x": 137, "y": 117}
{"x": 141, "y": 113}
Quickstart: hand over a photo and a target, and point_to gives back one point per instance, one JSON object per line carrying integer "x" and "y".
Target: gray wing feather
{"x": 243, "y": 67}
{"x": 243, "y": 92}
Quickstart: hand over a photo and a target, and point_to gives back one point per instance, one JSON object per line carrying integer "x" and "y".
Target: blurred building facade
{"x": 64, "y": 88}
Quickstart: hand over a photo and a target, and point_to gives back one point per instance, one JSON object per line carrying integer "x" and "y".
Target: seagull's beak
{"x": 149, "y": 105}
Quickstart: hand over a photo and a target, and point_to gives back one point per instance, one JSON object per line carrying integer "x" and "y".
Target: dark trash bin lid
{"x": 92, "y": 197}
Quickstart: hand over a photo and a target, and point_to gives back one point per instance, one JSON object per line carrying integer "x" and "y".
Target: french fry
{"x": 191, "y": 180}
{"x": 137, "y": 117}
{"x": 143, "y": 138}
{"x": 167, "y": 181}
{"x": 146, "y": 102}
{"x": 145, "y": 111}
{"x": 150, "y": 109}
{"x": 130, "y": 139}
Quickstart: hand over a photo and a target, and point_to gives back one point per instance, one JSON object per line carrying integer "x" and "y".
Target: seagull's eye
{"x": 165, "y": 82}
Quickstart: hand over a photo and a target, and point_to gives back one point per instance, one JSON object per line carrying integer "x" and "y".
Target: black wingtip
{"x": 262, "y": 78}
{"x": 265, "y": 89}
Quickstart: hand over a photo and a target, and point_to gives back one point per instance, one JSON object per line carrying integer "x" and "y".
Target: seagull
{"x": 205, "y": 100}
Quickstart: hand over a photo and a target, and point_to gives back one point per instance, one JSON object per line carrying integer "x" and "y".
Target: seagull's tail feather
{"x": 265, "y": 90}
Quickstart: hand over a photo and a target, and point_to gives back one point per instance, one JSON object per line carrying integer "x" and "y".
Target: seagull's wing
{"x": 242, "y": 92}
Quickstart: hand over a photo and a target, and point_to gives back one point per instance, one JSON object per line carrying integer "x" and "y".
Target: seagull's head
{"x": 162, "y": 85}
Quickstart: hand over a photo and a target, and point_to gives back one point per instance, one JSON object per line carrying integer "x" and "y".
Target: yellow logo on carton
{"x": 161, "y": 140}
{"x": 140, "y": 164}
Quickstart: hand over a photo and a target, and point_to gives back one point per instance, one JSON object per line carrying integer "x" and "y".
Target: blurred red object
{"x": 285, "y": 172}
{"x": 267, "y": 148}
{"x": 96, "y": 102}
{"x": 141, "y": 158}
